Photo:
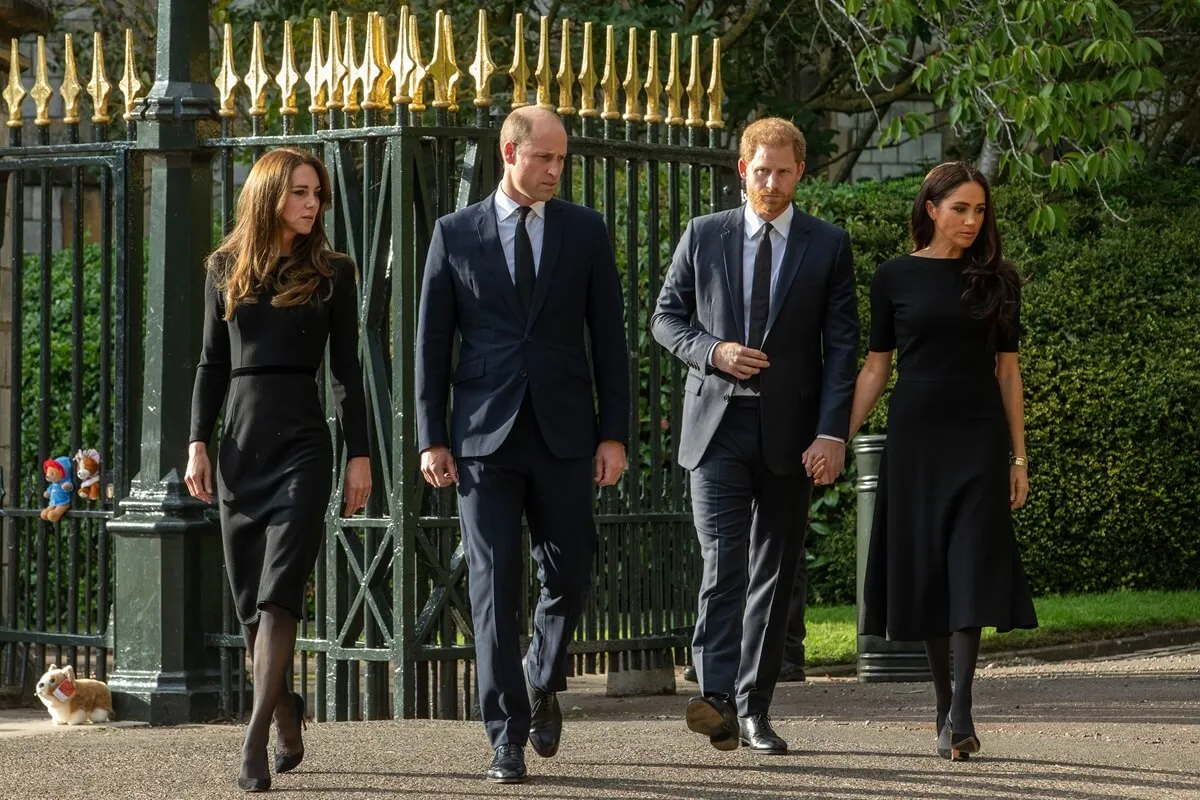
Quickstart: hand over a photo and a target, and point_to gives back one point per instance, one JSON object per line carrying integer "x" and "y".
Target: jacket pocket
{"x": 469, "y": 369}
{"x": 693, "y": 382}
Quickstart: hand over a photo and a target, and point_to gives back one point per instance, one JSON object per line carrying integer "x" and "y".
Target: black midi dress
{"x": 275, "y": 465}
{"x": 942, "y": 554}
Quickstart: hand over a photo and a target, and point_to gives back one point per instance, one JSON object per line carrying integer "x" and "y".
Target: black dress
{"x": 942, "y": 555}
{"x": 275, "y": 465}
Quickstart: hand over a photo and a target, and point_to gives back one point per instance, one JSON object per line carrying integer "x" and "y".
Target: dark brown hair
{"x": 993, "y": 286}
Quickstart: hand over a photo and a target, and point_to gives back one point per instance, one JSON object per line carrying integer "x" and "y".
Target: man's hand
{"x": 609, "y": 463}
{"x": 739, "y": 361}
{"x": 824, "y": 460}
{"x": 437, "y": 465}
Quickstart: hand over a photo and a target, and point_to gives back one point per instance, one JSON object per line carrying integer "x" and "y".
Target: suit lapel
{"x": 496, "y": 268}
{"x": 552, "y": 237}
{"x": 793, "y": 254}
{"x": 732, "y": 239}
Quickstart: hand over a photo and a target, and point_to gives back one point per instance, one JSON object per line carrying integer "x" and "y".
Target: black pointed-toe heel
{"x": 286, "y": 762}
{"x": 955, "y": 746}
{"x": 254, "y": 784}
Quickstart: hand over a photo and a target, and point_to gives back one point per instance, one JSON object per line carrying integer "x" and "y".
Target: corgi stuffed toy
{"x": 71, "y": 700}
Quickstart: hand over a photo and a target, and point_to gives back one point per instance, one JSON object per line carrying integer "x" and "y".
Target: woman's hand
{"x": 356, "y": 487}
{"x": 1018, "y": 485}
{"x": 198, "y": 476}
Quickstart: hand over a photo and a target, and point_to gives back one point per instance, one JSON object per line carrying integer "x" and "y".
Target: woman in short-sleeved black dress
{"x": 275, "y": 295}
{"x": 943, "y": 561}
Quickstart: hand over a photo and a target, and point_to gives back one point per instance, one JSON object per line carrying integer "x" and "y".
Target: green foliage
{"x": 1109, "y": 359}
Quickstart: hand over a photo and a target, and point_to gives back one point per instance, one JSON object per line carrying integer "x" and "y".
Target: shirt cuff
{"x": 712, "y": 350}
{"x": 831, "y": 438}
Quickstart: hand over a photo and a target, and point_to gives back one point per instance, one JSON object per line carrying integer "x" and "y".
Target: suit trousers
{"x": 751, "y": 525}
{"x": 555, "y": 495}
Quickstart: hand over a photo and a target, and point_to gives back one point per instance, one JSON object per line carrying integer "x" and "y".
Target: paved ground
{"x": 1126, "y": 727}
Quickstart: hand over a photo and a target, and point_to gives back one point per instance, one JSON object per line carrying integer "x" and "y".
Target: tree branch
{"x": 753, "y": 10}
{"x": 846, "y": 170}
{"x": 853, "y": 105}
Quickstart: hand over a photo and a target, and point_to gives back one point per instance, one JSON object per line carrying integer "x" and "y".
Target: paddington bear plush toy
{"x": 58, "y": 475}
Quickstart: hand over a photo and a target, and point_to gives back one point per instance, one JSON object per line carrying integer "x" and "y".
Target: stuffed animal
{"x": 87, "y": 469}
{"x": 58, "y": 475}
{"x": 74, "y": 701}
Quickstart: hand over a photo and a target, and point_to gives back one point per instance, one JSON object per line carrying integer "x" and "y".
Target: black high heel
{"x": 254, "y": 784}
{"x": 954, "y": 746}
{"x": 287, "y": 762}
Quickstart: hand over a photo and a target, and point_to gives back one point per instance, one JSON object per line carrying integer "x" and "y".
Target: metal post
{"x": 168, "y": 554}
{"x": 879, "y": 660}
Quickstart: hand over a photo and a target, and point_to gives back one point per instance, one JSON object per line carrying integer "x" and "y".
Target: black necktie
{"x": 523, "y": 261}
{"x": 760, "y": 292}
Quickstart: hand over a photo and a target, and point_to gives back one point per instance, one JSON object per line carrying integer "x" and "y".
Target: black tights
{"x": 271, "y": 643}
{"x": 957, "y": 701}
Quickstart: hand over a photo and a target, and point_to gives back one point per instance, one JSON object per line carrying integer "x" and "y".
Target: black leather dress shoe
{"x": 508, "y": 764}
{"x": 689, "y": 673}
{"x": 791, "y": 673}
{"x": 715, "y": 718}
{"x": 759, "y": 736}
{"x": 545, "y": 722}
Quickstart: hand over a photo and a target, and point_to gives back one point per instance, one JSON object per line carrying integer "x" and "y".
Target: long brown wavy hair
{"x": 993, "y": 285}
{"x": 247, "y": 261}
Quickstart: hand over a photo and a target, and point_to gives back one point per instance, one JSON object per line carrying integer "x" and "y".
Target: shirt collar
{"x": 782, "y": 223}
{"x": 506, "y": 206}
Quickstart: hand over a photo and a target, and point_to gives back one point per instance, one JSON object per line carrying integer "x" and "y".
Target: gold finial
{"x": 70, "y": 88}
{"x": 609, "y": 82}
{"x": 674, "y": 86}
{"x": 587, "y": 75}
{"x": 257, "y": 78}
{"x": 380, "y": 97}
{"x": 14, "y": 93}
{"x": 367, "y": 73}
{"x": 227, "y": 78}
{"x": 653, "y": 84}
{"x": 519, "y": 70}
{"x": 694, "y": 89}
{"x": 416, "y": 84}
{"x": 402, "y": 61}
{"x": 482, "y": 68}
{"x": 716, "y": 91}
{"x": 353, "y": 69}
{"x": 99, "y": 87}
{"x": 442, "y": 68}
{"x": 42, "y": 91}
{"x": 632, "y": 83}
{"x": 315, "y": 77}
{"x": 333, "y": 70}
{"x": 543, "y": 72}
{"x": 288, "y": 78}
{"x": 130, "y": 85}
{"x": 566, "y": 74}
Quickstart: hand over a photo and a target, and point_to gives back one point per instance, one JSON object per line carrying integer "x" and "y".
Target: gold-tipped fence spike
{"x": 695, "y": 89}
{"x": 349, "y": 55}
{"x": 381, "y": 96}
{"x": 674, "y": 86}
{"x": 609, "y": 83}
{"x": 288, "y": 78}
{"x": 402, "y": 62}
{"x": 519, "y": 70}
{"x": 442, "y": 68}
{"x": 227, "y": 78}
{"x": 42, "y": 91}
{"x": 587, "y": 76}
{"x": 257, "y": 78}
{"x": 70, "y": 90}
{"x": 99, "y": 87}
{"x": 365, "y": 72}
{"x": 653, "y": 84}
{"x": 14, "y": 92}
{"x": 482, "y": 68}
{"x": 566, "y": 74}
{"x": 416, "y": 82}
{"x": 333, "y": 71}
{"x": 131, "y": 87}
{"x": 316, "y": 71}
{"x": 543, "y": 72}
{"x": 632, "y": 82}
{"x": 716, "y": 90}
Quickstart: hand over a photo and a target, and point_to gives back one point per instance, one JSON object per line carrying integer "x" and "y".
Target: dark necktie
{"x": 760, "y": 292}
{"x": 523, "y": 261}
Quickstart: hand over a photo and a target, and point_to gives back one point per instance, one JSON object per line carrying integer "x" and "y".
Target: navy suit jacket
{"x": 811, "y": 339}
{"x": 577, "y": 303}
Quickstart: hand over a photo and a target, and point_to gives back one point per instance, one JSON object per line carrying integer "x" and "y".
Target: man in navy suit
{"x": 528, "y": 283}
{"x": 760, "y": 304}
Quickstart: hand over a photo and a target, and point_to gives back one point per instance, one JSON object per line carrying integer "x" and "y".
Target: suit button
{"x": 524, "y": 373}
{"x": 725, "y": 397}
{"x": 528, "y": 339}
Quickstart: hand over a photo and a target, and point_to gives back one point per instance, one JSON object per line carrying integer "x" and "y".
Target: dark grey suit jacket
{"x": 811, "y": 340}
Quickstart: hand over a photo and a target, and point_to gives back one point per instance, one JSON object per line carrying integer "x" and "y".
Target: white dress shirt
{"x": 507, "y": 217}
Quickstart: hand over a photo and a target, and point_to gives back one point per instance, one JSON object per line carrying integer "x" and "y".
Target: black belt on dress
{"x": 273, "y": 369}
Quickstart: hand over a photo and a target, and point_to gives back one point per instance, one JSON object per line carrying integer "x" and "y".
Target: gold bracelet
{"x": 1018, "y": 461}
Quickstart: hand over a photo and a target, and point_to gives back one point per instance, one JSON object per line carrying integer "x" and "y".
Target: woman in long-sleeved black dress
{"x": 943, "y": 561}
{"x": 275, "y": 295}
